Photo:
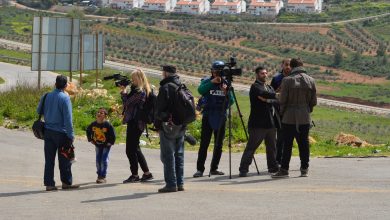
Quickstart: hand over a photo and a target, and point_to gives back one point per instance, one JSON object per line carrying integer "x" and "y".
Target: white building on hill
{"x": 159, "y": 5}
{"x": 262, "y": 8}
{"x": 126, "y": 4}
{"x": 228, "y": 7}
{"x": 192, "y": 6}
{"x": 304, "y": 6}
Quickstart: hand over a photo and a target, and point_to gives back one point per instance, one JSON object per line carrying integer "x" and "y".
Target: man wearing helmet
{"x": 213, "y": 89}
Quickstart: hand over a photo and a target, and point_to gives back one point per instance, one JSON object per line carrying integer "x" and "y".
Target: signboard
{"x": 56, "y": 44}
{"x": 92, "y": 51}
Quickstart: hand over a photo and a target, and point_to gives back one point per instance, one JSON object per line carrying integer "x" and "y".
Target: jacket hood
{"x": 298, "y": 69}
{"x": 171, "y": 79}
{"x": 302, "y": 80}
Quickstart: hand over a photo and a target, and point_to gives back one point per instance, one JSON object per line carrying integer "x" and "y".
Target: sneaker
{"x": 198, "y": 174}
{"x": 167, "y": 189}
{"x": 147, "y": 177}
{"x": 282, "y": 173}
{"x": 180, "y": 188}
{"x": 216, "y": 172}
{"x": 243, "y": 174}
{"x": 66, "y": 186}
{"x": 131, "y": 179}
{"x": 51, "y": 188}
{"x": 101, "y": 180}
{"x": 304, "y": 172}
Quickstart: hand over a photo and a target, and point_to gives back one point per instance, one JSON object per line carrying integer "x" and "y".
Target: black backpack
{"x": 146, "y": 112}
{"x": 183, "y": 111}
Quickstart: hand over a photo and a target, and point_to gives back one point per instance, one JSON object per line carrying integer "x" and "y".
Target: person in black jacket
{"x": 262, "y": 123}
{"x": 170, "y": 131}
{"x": 101, "y": 134}
{"x": 276, "y": 83}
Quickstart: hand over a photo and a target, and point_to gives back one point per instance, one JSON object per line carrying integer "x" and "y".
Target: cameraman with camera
{"x": 214, "y": 90}
{"x": 132, "y": 102}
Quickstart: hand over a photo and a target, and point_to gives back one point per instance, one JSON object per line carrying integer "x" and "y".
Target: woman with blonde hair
{"x": 132, "y": 103}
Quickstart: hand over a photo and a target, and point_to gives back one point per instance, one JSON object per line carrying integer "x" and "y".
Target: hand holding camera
{"x": 216, "y": 80}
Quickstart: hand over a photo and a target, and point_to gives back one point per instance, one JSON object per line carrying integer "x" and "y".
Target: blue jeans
{"x": 172, "y": 156}
{"x": 53, "y": 142}
{"x": 102, "y": 158}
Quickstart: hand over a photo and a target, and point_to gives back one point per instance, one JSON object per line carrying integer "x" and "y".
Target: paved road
{"x": 22, "y": 75}
{"x": 335, "y": 189}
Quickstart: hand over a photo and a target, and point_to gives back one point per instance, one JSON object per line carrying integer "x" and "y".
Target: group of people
{"x": 279, "y": 113}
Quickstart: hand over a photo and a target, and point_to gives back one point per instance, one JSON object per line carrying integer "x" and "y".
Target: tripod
{"x": 229, "y": 89}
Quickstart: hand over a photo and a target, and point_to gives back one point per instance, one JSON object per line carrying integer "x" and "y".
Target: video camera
{"x": 120, "y": 80}
{"x": 228, "y": 69}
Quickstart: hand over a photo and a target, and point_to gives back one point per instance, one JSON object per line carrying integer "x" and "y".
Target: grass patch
{"x": 329, "y": 122}
{"x": 15, "y": 54}
{"x": 373, "y": 93}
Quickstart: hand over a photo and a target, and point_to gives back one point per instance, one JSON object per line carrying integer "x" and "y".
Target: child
{"x": 102, "y": 134}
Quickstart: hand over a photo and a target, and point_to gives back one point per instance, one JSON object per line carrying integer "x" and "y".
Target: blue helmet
{"x": 217, "y": 65}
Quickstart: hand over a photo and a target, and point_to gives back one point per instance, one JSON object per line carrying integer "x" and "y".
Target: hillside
{"x": 193, "y": 44}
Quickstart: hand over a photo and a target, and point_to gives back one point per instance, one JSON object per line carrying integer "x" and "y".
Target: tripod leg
{"x": 243, "y": 125}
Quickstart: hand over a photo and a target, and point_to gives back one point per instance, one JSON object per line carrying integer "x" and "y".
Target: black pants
{"x": 205, "y": 139}
{"x": 279, "y": 145}
{"x": 256, "y": 136}
{"x": 302, "y": 136}
{"x": 133, "y": 151}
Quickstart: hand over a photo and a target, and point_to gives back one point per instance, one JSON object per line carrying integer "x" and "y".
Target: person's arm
{"x": 89, "y": 133}
{"x": 205, "y": 86}
{"x": 231, "y": 98}
{"x": 283, "y": 96}
{"x": 313, "y": 100}
{"x": 67, "y": 114}
{"x": 268, "y": 96}
{"x": 162, "y": 105}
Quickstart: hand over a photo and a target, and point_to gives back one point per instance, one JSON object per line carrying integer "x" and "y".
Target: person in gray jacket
{"x": 297, "y": 99}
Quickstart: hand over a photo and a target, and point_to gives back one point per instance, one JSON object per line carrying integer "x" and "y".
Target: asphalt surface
{"x": 22, "y": 75}
{"x": 356, "y": 188}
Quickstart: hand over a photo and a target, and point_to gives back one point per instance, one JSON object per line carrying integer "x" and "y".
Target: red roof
{"x": 311, "y": 2}
{"x": 264, "y": 4}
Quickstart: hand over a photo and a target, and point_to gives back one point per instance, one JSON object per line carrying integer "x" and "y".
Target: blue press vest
{"x": 214, "y": 106}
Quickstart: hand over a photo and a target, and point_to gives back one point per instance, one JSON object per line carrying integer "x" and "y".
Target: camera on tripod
{"x": 120, "y": 80}
{"x": 228, "y": 70}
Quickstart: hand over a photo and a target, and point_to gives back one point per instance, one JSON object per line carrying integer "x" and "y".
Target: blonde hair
{"x": 143, "y": 82}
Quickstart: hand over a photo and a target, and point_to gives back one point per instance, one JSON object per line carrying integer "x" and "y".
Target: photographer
{"x": 214, "y": 90}
{"x": 262, "y": 123}
{"x": 132, "y": 102}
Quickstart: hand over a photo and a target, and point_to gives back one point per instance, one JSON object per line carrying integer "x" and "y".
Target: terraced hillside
{"x": 193, "y": 44}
